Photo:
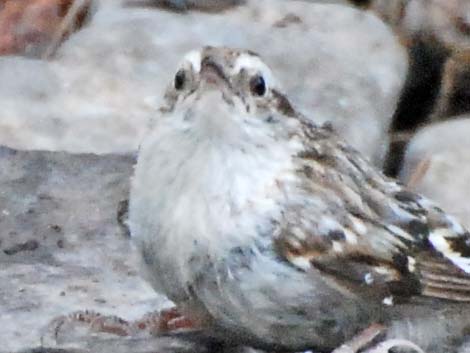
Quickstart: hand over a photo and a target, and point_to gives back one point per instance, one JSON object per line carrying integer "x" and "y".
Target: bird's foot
{"x": 69, "y": 328}
{"x": 78, "y": 324}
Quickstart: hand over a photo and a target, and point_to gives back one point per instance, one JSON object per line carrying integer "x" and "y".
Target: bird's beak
{"x": 213, "y": 75}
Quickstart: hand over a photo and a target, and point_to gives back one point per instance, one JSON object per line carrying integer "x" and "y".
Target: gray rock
{"x": 61, "y": 249}
{"x": 438, "y": 161}
{"x": 121, "y": 345}
{"x": 337, "y": 63}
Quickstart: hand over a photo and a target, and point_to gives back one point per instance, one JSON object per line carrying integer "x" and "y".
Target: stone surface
{"x": 61, "y": 248}
{"x": 438, "y": 159}
{"x": 336, "y": 62}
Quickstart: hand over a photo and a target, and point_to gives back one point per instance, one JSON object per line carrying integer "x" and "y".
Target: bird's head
{"x": 226, "y": 86}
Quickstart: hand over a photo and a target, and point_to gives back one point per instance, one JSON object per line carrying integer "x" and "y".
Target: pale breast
{"x": 193, "y": 200}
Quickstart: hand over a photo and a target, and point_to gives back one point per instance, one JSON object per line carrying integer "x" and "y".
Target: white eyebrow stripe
{"x": 194, "y": 58}
{"x": 251, "y": 62}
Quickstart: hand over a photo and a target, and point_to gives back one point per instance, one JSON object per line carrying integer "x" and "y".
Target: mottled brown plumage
{"x": 274, "y": 232}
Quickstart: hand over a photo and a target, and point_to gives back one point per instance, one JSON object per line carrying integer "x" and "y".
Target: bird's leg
{"x": 361, "y": 340}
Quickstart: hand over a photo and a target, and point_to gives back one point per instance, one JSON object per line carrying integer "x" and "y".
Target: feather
{"x": 365, "y": 227}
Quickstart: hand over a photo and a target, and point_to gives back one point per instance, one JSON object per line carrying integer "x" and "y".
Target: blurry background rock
{"x": 437, "y": 161}
{"x": 29, "y": 26}
{"x": 436, "y": 33}
{"x": 448, "y": 21}
{"x": 337, "y": 64}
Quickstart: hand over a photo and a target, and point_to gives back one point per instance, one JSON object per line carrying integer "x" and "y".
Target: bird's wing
{"x": 349, "y": 221}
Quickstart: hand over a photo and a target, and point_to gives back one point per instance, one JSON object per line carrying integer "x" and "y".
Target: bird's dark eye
{"x": 258, "y": 86}
{"x": 180, "y": 79}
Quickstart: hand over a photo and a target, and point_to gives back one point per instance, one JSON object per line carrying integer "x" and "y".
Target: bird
{"x": 269, "y": 230}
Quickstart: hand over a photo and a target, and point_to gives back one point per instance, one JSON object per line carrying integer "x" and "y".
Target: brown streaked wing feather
{"x": 363, "y": 228}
